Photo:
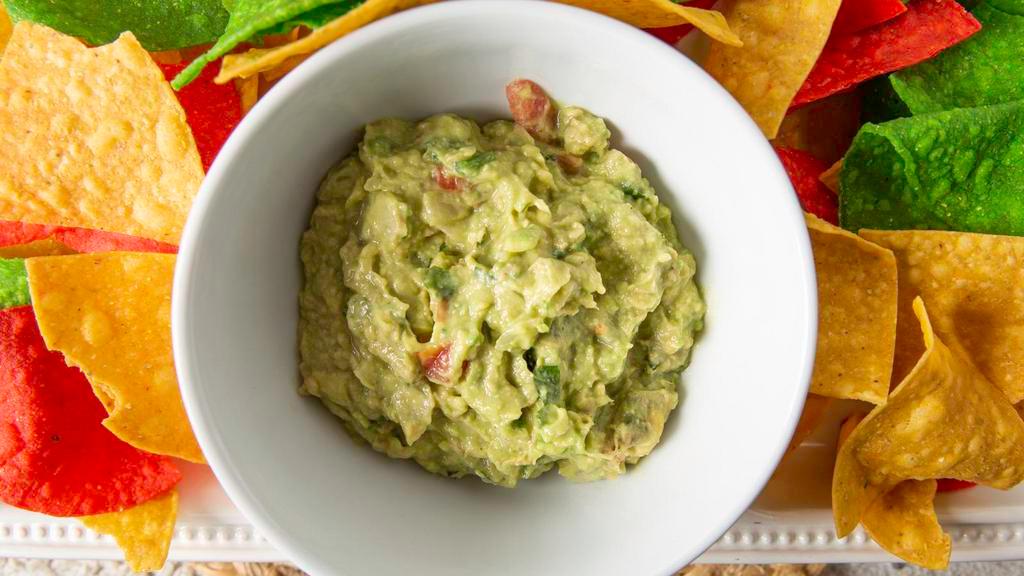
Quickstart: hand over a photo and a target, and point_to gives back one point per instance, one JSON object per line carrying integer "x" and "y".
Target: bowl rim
{"x": 214, "y": 451}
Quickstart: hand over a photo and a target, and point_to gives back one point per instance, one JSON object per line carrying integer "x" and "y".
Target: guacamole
{"x": 497, "y": 300}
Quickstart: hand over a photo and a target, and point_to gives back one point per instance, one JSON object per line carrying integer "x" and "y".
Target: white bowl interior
{"x": 337, "y": 507}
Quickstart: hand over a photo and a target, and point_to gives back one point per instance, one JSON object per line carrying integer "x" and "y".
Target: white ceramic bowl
{"x": 336, "y": 507}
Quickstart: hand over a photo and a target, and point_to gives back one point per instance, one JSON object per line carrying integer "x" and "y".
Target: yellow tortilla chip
{"x": 945, "y": 420}
{"x": 93, "y": 138}
{"x": 110, "y": 315}
{"x": 824, "y": 129}
{"x": 248, "y": 92}
{"x": 903, "y": 521}
{"x": 781, "y": 42}
{"x": 814, "y": 411}
{"x": 856, "y": 314}
{"x": 142, "y": 532}
{"x": 972, "y": 284}
{"x": 830, "y": 177}
{"x": 661, "y": 14}
{"x": 261, "y": 59}
{"x": 5, "y": 28}
{"x": 167, "y": 57}
{"x": 44, "y": 247}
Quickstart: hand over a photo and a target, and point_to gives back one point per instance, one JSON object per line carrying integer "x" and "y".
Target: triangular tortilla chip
{"x": 143, "y": 532}
{"x": 856, "y": 314}
{"x": 44, "y": 247}
{"x": 92, "y": 137}
{"x": 260, "y": 59}
{"x": 903, "y": 521}
{"x": 945, "y": 420}
{"x": 781, "y": 42}
{"x": 972, "y": 284}
{"x": 110, "y": 315}
{"x": 661, "y": 14}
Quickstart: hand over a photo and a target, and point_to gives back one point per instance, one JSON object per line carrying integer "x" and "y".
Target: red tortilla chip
{"x": 805, "y": 173}
{"x": 927, "y": 28}
{"x": 212, "y": 110}
{"x": 80, "y": 240}
{"x": 954, "y": 485}
{"x": 55, "y": 455}
{"x": 857, "y": 15}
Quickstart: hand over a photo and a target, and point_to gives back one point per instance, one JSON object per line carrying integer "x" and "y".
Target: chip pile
{"x": 907, "y": 129}
{"x": 900, "y": 124}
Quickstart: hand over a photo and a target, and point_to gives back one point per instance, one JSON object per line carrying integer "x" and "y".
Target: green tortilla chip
{"x": 957, "y": 170}
{"x": 987, "y": 68}
{"x": 251, "y": 18}
{"x": 157, "y": 24}
{"x": 13, "y": 284}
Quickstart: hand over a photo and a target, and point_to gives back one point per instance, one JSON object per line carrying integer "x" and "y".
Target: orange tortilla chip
{"x": 824, "y": 129}
{"x": 44, "y": 247}
{"x": 781, "y": 42}
{"x": 856, "y": 314}
{"x": 110, "y": 315}
{"x": 814, "y": 411}
{"x": 261, "y": 59}
{"x": 945, "y": 420}
{"x": 142, "y": 532}
{"x": 92, "y": 138}
{"x": 662, "y": 14}
{"x": 972, "y": 284}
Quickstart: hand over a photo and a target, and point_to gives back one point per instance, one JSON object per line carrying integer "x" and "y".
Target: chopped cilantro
{"x": 549, "y": 383}
{"x": 474, "y": 163}
{"x": 441, "y": 281}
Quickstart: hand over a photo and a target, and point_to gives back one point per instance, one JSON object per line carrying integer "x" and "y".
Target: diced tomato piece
{"x": 448, "y": 181}
{"x": 436, "y": 362}
{"x": 951, "y": 485}
{"x": 532, "y": 109}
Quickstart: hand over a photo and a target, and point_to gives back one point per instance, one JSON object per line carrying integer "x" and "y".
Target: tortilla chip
{"x": 985, "y": 69}
{"x": 212, "y": 111}
{"x": 248, "y": 92}
{"x": 56, "y": 457}
{"x": 92, "y": 137}
{"x": 262, "y": 59}
{"x": 78, "y": 239}
{"x": 857, "y": 15}
{"x": 856, "y": 314}
{"x": 109, "y": 314}
{"x": 804, "y": 171}
{"x": 781, "y": 42}
{"x": 660, "y": 14}
{"x": 143, "y": 533}
{"x": 927, "y": 28}
{"x": 811, "y": 417}
{"x": 903, "y": 522}
{"x": 945, "y": 420}
{"x": 44, "y": 247}
{"x": 972, "y": 283}
{"x": 5, "y": 28}
{"x": 830, "y": 177}
{"x": 954, "y": 170}
{"x": 824, "y": 129}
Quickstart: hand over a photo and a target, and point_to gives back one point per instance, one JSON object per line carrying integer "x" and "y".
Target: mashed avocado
{"x": 489, "y": 302}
